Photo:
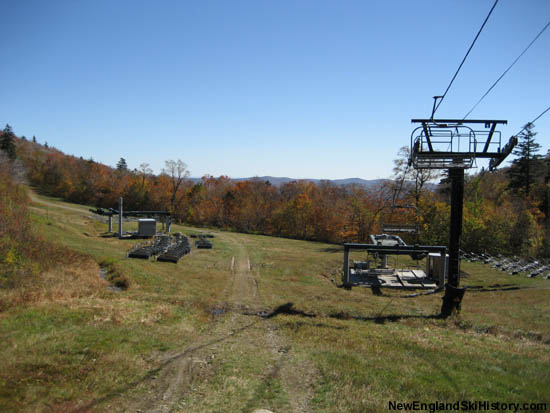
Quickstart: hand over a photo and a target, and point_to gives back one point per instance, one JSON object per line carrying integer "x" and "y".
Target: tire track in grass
{"x": 185, "y": 371}
{"x": 161, "y": 387}
{"x": 183, "y": 376}
{"x": 293, "y": 376}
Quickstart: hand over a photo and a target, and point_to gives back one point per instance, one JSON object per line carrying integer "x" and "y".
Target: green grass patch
{"x": 70, "y": 341}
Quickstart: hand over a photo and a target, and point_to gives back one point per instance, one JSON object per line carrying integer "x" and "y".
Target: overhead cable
{"x": 534, "y": 120}
{"x": 463, "y": 60}
{"x": 541, "y": 115}
{"x": 506, "y": 71}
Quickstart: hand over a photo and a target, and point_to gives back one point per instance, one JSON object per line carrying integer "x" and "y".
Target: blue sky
{"x": 305, "y": 89}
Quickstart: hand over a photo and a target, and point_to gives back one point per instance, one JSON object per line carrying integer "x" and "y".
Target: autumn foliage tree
{"x": 176, "y": 172}
{"x": 497, "y": 218}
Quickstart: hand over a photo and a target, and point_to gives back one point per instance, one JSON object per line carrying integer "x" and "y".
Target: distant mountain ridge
{"x": 278, "y": 181}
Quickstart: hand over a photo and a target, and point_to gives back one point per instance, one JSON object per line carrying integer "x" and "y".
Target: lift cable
{"x": 540, "y": 116}
{"x": 463, "y": 60}
{"x": 534, "y": 120}
{"x": 506, "y": 71}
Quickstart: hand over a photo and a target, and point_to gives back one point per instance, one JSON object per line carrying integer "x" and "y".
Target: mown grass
{"x": 372, "y": 349}
{"x": 70, "y": 342}
{"x": 69, "y": 339}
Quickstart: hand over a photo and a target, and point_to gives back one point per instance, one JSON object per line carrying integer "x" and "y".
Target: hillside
{"x": 499, "y": 218}
{"x": 256, "y": 322}
{"x": 369, "y": 184}
{"x": 278, "y": 181}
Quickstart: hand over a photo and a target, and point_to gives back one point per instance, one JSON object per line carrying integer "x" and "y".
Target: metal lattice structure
{"x": 454, "y": 143}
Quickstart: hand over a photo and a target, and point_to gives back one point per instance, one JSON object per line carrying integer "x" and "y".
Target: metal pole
{"x": 444, "y": 269}
{"x": 345, "y": 275}
{"x": 120, "y": 218}
{"x": 453, "y": 294}
{"x": 384, "y": 261}
{"x": 457, "y": 201}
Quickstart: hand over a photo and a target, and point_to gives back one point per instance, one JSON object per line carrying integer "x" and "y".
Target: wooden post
{"x": 110, "y": 223}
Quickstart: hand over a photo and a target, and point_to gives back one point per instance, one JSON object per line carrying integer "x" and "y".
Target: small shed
{"x": 147, "y": 227}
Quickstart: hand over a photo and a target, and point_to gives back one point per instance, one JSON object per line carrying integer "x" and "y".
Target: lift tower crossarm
{"x": 458, "y": 121}
{"x": 453, "y": 143}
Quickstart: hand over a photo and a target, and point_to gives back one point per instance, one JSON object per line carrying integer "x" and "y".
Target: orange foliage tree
{"x": 496, "y": 220}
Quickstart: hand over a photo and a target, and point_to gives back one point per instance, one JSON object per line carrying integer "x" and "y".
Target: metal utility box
{"x": 147, "y": 227}
{"x": 435, "y": 269}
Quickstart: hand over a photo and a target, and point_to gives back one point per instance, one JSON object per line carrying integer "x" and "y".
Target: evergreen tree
{"x": 526, "y": 167}
{"x": 33, "y": 139}
{"x": 122, "y": 165}
{"x": 7, "y": 142}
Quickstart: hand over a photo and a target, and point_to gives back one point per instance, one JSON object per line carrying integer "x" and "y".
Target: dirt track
{"x": 181, "y": 373}
{"x": 35, "y": 199}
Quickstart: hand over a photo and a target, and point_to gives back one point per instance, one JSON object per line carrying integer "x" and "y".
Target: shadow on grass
{"x": 287, "y": 309}
{"x": 376, "y": 290}
{"x": 495, "y": 287}
{"x": 332, "y": 250}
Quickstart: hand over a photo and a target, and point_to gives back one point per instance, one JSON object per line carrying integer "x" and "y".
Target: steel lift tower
{"x": 454, "y": 145}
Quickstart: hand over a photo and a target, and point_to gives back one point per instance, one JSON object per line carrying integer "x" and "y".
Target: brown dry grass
{"x": 74, "y": 276}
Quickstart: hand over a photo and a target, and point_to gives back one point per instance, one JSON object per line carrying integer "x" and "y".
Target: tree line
{"x": 507, "y": 211}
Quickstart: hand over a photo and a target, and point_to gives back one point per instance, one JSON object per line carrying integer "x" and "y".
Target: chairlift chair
{"x": 400, "y": 228}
